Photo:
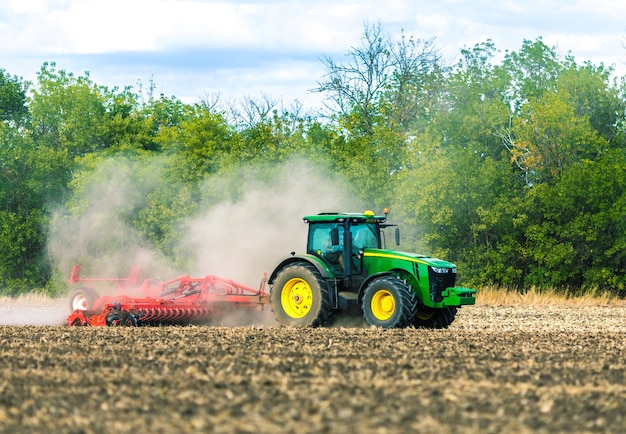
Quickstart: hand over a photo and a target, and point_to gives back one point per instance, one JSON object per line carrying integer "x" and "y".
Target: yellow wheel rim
{"x": 296, "y": 298}
{"x": 383, "y": 305}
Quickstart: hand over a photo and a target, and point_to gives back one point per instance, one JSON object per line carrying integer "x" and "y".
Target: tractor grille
{"x": 440, "y": 280}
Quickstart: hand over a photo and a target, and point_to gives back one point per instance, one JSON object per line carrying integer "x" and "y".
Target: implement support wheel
{"x": 83, "y": 299}
{"x": 299, "y": 296}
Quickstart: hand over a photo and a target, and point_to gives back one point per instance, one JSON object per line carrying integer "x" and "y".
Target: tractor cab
{"x": 340, "y": 239}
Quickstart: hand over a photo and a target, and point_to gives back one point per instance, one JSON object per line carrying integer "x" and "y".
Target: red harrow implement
{"x": 180, "y": 301}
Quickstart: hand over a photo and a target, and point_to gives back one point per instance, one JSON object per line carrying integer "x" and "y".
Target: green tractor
{"x": 346, "y": 267}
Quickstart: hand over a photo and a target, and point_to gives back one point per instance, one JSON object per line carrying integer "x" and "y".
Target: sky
{"x": 198, "y": 49}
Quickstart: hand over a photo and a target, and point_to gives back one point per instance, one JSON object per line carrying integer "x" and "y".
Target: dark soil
{"x": 496, "y": 370}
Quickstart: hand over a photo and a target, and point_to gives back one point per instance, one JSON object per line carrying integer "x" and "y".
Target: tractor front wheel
{"x": 429, "y": 318}
{"x": 83, "y": 299}
{"x": 299, "y": 297}
{"x": 389, "y": 303}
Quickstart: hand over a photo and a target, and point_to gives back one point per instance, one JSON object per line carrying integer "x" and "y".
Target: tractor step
{"x": 347, "y": 299}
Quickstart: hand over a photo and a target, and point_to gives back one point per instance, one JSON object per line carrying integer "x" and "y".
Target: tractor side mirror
{"x": 397, "y": 234}
{"x": 334, "y": 236}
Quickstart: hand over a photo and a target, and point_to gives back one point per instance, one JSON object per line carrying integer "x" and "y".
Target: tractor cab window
{"x": 321, "y": 241}
{"x": 364, "y": 236}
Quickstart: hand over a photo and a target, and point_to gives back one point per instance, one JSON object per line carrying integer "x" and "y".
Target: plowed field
{"x": 497, "y": 369}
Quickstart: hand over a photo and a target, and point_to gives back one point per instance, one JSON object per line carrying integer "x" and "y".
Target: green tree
{"x": 598, "y": 97}
{"x": 550, "y": 136}
{"x": 25, "y": 187}
{"x": 197, "y": 145}
{"x": 476, "y": 105}
{"x": 379, "y": 99}
{"x": 67, "y": 112}
{"x": 461, "y": 186}
{"x": 535, "y": 117}
{"x": 565, "y": 135}
{"x": 354, "y": 89}
{"x": 575, "y": 228}
{"x": 534, "y": 70}
{"x": 13, "y": 92}
{"x": 457, "y": 201}
{"x": 577, "y": 118}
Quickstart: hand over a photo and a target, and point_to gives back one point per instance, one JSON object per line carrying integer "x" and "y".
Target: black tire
{"x": 83, "y": 299}
{"x": 120, "y": 319}
{"x": 429, "y": 318}
{"x": 299, "y": 296}
{"x": 388, "y": 303}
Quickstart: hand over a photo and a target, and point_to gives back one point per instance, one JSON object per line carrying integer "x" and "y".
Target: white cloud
{"x": 96, "y": 26}
{"x": 275, "y": 45}
{"x": 29, "y": 6}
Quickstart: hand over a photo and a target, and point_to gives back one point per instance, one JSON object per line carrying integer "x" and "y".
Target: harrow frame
{"x": 180, "y": 301}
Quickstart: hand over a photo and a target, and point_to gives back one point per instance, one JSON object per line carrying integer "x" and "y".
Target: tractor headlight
{"x": 442, "y": 270}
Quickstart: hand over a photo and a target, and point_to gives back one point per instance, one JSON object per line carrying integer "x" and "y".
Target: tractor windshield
{"x": 364, "y": 235}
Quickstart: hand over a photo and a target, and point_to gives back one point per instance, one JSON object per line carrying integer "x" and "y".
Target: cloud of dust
{"x": 243, "y": 238}
{"x": 96, "y": 234}
{"x": 32, "y": 309}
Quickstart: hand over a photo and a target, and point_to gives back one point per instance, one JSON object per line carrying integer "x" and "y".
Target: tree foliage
{"x": 12, "y": 99}
{"x": 515, "y": 170}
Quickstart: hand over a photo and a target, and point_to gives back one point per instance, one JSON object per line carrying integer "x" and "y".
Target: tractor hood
{"x": 406, "y": 256}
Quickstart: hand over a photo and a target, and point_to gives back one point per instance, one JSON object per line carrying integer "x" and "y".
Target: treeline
{"x": 514, "y": 169}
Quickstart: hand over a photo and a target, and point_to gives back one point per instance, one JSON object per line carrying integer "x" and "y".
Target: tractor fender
{"x": 368, "y": 280}
{"x": 309, "y": 259}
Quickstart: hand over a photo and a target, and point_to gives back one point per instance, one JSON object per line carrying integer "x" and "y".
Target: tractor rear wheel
{"x": 389, "y": 303}
{"x": 429, "y": 318}
{"x": 299, "y": 297}
{"x": 83, "y": 299}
